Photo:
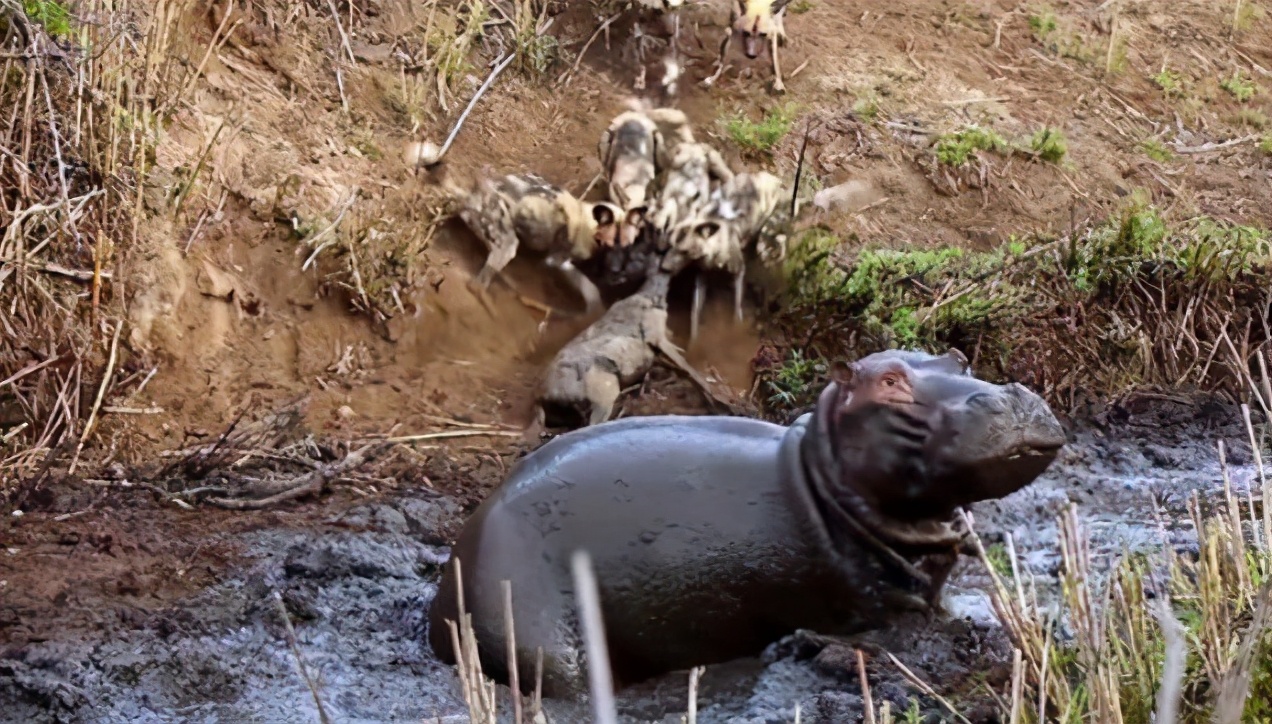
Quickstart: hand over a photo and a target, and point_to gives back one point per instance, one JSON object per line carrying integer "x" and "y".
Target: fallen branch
{"x": 304, "y": 485}
{"x": 1212, "y": 146}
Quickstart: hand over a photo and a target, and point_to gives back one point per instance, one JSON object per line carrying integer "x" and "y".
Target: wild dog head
{"x": 758, "y": 21}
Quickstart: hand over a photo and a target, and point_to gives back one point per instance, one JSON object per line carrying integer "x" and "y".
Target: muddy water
{"x": 357, "y": 595}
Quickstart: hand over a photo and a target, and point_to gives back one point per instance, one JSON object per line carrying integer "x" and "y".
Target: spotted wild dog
{"x": 524, "y": 211}
{"x": 758, "y": 22}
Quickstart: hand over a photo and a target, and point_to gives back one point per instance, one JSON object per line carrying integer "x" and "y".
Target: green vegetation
{"x": 1042, "y": 25}
{"x": 1157, "y": 151}
{"x": 1200, "y": 609}
{"x": 49, "y": 14}
{"x": 1265, "y": 145}
{"x": 956, "y": 149}
{"x": 965, "y": 145}
{"x": 765, "y": 134}
{"x": 1049, "y": 144}
{"x": 1015, "y": 304}
{"x": 1171, "y": 83}
{"x": 799, "y": 7}
{"x": 1252, "y": 118}
{"x": 867, "y": 108}
{"x": 1240, "y": 87}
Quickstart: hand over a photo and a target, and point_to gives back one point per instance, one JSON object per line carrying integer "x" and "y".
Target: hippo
{"x": 715, "y": 536}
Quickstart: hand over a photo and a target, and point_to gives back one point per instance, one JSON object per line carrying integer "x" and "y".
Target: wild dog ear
{"x": 602, "y": 214}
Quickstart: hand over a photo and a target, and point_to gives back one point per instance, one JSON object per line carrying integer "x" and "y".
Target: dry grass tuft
{"x": 77, "y": 129}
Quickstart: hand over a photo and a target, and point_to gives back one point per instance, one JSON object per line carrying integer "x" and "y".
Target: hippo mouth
{"x": 1047, "y": 449}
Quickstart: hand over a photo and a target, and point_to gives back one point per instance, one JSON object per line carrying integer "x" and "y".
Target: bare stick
{"x": 344, "y": 38}
{"x": 1171, "y": 690}
{"x": 101, "y": 393}
{"x": 694, "y": 674}
{"x": 598, "y": 668}
{"x": 565, "y": 78}
{"x": 865, "y": 688}
{"x": 300, "y": 662}
{"x": 515, "y": 678}
{"x": 926, "y": 688}
{"x": 453, "y": 433}
{"x": 464, "y": 116}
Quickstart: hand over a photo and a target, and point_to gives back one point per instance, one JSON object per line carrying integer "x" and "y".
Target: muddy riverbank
{"x": 356, "y": 585}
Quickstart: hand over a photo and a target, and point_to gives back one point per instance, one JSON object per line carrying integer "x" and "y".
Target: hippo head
{"x": 916, "y": 436}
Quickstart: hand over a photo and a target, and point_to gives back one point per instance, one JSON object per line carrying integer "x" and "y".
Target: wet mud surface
{"x": 357, "y": 581}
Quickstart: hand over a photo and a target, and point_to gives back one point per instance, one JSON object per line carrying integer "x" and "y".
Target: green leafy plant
{"x": 1049, "y": 144}
{"x": 763, "y": 135}
{"x": 1240, "y": 87}
{"x": 956, "y": 149}
{"x": 1157, "y": 151}
{"x": 49, "y": 14}
{"x": 1171, "y": 83}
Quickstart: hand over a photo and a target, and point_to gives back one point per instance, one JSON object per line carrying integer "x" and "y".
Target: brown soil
{"x": 236, "y": 322}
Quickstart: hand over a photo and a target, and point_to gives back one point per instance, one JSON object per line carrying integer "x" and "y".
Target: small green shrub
{"x": 956, "y": 149}
{"x": 765, "y": 134}
{"x": 50, "y": 15}
{"x": 1241, "y": 88}
{"x": 1157, "y": 151}
{"x": 1171, "y": 83}
{"x": 1049, "y": 144}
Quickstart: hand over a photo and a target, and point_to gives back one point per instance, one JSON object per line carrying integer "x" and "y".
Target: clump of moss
{"x": 956, "y": 149}
{"x": 1265, "y": 145}
{"x": 763, "y": 135}
{"x": 1049, "y": 144}
{"x": 1240, "y": 87}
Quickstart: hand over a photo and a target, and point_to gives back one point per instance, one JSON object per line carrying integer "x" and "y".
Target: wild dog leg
{"x": 778, "y": 86}
{"x": 724, "y": 49}
{"x": 591, "y": 295}
{"x": 738, "y": 285}
{"x": 501, "y": 254}
{"x": 695, "y": 310}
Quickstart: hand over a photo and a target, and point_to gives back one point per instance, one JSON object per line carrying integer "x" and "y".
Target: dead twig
{"x": 300, "y": 662}
{"x": 305, "y": 485}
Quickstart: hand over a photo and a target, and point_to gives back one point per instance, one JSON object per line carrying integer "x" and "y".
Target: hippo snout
{"x": 1039, "y": 429}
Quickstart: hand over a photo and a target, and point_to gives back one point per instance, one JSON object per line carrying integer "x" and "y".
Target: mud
{"x": 356, "y": 585}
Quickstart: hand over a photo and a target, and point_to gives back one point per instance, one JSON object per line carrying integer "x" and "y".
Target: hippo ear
{"x": 841, "y": 373}
{"x": 964, "y": 366}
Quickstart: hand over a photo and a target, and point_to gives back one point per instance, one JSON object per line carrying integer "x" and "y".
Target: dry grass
{"x": 76, "y": 132}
